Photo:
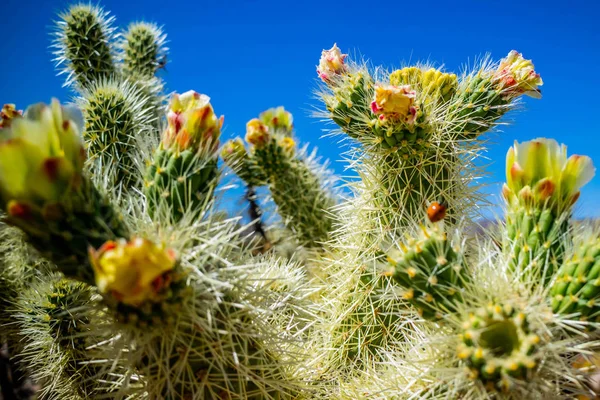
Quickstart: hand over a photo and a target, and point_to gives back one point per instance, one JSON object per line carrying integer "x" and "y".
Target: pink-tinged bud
{"x": 544, "y": 189}
{"x": 506, "y": 192}
{"x": 517, "y": 76}
{"x": 257, "y": 133}
{"x": 331, "y": 63}
{"x": 7, "y": 114}
{"x": 192, "y": 123}
{"x": 395, "y": 103}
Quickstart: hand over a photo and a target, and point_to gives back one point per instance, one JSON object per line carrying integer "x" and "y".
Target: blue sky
{"x": 252, "y": 55}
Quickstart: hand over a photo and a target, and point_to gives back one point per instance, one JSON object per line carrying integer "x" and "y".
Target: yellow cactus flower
{"x": 539, "y": 170}
{"x": 278, "y": 119}
{"x": 132, "y": 271}
{"x": 331, "y": 63}
{"x": 394, "y": 103}
{"x": 41, "y": 155}
{"x": 257, "y": 133}
{"x": 517, "y": 76}
{"x": 192, "y": 123}
{"x": 7, "y": 114}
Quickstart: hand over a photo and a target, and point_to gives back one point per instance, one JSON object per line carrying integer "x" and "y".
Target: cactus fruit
{"x": 577, "y": 285}
{"x": 44, "y": 192}
{"x": 498, "y": 346}
{"x": 183, "y": 172}
{"x": 541, "y": 187}
{"x": 83, "y": 45}
{"x": 116, "y": 116}
{"x": 431, "y": 271}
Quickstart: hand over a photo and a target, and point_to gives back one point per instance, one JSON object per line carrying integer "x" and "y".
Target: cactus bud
{"x": 192, "y": 122}
{"x": 41, "y": 156}
{"x": 517, "y": 76}
{"x": 257, "y": 133}
{"x": 7, "y": 114}
{"x": 394, "y": 103}
{"x": 331, "y": 63}
{"x": 278, "y": 119}
{"x": 233, "y": 151}
{"x": 132, "y": 271}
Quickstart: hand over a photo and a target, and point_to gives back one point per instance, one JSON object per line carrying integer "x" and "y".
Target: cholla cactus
{"x": 143, "y": 50}
{"x": 152, "y": 292}
{"x": 183, "y": 172}
{"x": 299, "y": 190}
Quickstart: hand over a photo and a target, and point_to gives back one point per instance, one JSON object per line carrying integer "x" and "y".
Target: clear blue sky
{"x": 252, "y": 55}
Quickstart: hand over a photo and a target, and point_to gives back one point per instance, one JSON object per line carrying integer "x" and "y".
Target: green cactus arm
{"x": 431, "y": 272}
{"x": 182, "y": 174}
{"x": 298, "y": 184}
{"x": 84, "y": 45}
{"x": 117, "y": 117}
{"x": 142, "y": 50}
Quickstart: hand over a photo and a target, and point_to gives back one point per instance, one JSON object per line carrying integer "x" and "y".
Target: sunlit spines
{"x": 117, "y": 114}
{"x": 142, "y": 50}
{"x": 60, "y": 323}
{"x": 84, "y": 45}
